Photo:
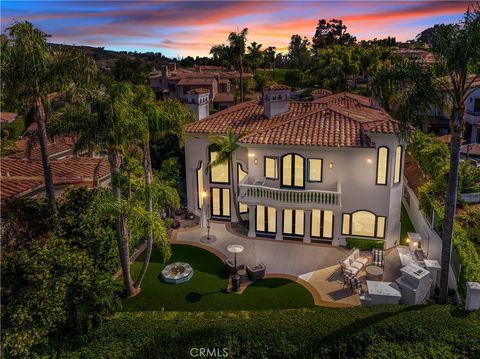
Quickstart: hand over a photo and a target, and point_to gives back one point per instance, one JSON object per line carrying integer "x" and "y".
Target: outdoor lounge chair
{"x": 230, "y": 265}
{"x": 353, "y": 263}
{"x": 257, "y": 272}
{"x": 378, "y": 256}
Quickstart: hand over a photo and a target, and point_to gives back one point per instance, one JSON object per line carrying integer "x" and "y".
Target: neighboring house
{"x": 415, "y": 54}
{"x": 24, "y": 178}
{"x": 7, "y": 117}
{"x": 321, "y": 170}
{"x": 176, "y": 83}
{"x": 60, "y": 147}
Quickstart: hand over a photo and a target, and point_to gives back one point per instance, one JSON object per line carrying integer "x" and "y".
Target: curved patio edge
{"x": 317, "y": 298}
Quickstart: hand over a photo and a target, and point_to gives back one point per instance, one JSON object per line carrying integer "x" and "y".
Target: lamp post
{"x": 235, "y": 248}
{"x": 206, "y": 222}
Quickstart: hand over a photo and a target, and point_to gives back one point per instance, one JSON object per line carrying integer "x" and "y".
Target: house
{"x": 24, "y": 177}
{"x": 315, "y": 171}
{"x": 415, "y": 54}
{"x": 60, "y": 147}
{"x": 177, "y": 82}
{"x": 7, "y": 117}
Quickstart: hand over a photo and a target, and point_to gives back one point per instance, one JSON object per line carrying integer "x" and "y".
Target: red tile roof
{"x": 321, "y": 92}
{"x": 340, "y": 120}
{"x": 61, "y": 146}
{"x": 224, "y": 97}
{"x": 276, "y": 87}
{"x": 7, "y": 117}
{"x": 19, "y": 176}
{"x": 196, "y": 81}
{"x": 198, "y": 91}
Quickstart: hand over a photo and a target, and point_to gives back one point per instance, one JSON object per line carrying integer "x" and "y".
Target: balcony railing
{"x": 261, "y": 194}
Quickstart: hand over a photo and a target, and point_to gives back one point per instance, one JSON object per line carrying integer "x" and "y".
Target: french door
{"x": 220, "y": 202}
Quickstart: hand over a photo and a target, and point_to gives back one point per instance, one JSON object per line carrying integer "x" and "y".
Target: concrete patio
{"x": 316, "y": 266}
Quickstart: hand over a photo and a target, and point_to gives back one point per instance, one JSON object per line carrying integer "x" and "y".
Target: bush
{"x": 14, "y": 129}
{"x": 468, "y": 257}
{"x": 294, "y": 78}
{"x": 376, "y": 332}
{"x": 364, "y": 244}
{"x": 431, "y": 154}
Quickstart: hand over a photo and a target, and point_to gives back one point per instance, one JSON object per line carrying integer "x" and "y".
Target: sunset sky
{"x": 181, "y": 28}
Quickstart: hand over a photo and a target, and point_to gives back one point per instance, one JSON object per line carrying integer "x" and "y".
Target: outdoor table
{"x": 374, "y": 273}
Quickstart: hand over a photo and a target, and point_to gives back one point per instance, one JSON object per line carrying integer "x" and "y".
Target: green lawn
{"x": 407, "y": 226}
{"x": 206, "y": 290}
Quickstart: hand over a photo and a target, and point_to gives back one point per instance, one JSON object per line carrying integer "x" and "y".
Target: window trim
{"x": 321, "y": 170}
{"x": 386, "y": 167}
{"x": 399, "y": 166}
{"x": 239, "y": 165}
{"x": 199, "y": 168}
{"x": 375, "y": 225}
{"x": 275, "y": 158}
{"x": 294, "y": 224}
{"x": 221, "y": 202}
{"x": 265, "y": 232}
{"x": 210, "y": 150}
{"x": 292, "y": 166}
{"x": 322, "y": 216}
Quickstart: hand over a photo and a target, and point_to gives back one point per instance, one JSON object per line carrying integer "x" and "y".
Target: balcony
{"x": 254, "y": 191}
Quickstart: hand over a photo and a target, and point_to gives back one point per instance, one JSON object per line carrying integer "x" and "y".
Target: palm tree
{"x": 31, "y": 70}
{"x": 457, "y": 47}
{"x": 237, "y": 42}
{"x": 109, "y": 124}
{"x": 254, "y": 56}
{"x": 226, "y": 145}
{"x": 167, "y": 117}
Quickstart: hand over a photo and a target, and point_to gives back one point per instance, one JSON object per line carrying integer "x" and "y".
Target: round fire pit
{"x": 177, "y": 272}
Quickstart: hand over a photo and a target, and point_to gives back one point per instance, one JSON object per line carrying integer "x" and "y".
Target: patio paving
{"x": 316, "y": 266}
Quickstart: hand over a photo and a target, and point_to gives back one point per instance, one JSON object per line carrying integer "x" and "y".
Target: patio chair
{"x": 257, "y": 272}
{"x": 230, "y": 266}
{"x": 354, "y": 262}
{"x": 378, "y": 256}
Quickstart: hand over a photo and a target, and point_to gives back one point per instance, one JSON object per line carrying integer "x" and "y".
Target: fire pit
{"x": 177, "y": 272}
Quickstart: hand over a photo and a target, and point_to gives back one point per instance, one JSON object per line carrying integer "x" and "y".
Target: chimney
{"x": 165, "y": 76}
{"x": 275, "y": 100}
{"x": 198, "y": 102}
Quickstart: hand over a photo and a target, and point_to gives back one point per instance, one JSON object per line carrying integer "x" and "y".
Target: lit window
{"x": 266, "y": 219}
{"x": 292, "y": 170}
{"x": 381, "y": 227}
{"x": 363, "y": 224}
{"x": 314, "y": 170}
{"x": 382, "y": 165}
{"x": 241, "y": 176}
{"x": 346, "y": 224}
{"x": 272, "y": 219}
{"x": 220, "y": 202}
{"x": 398, "y": 164}
{"x": 293, "y": 222}
{"x": 271, "y": 167}
{"x": 260, "y": 218}
{"x": 218, "y": 173}
{"x": 200, "y": 185}
{"x": 322, "y": 224}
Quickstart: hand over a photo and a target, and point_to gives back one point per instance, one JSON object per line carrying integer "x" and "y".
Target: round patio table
{"x": 374, "y": 273}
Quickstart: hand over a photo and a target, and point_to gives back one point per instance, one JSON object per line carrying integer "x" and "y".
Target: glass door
{"x": 220, "y": 202}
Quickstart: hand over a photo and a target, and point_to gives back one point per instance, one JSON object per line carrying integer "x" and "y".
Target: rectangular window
{"x": 241, "y": 176}
{"x": 322, "y": 224}
{"x": 398, "y": 165}
{"x": 346, "y": 224}
{"x": 220, "y": 202}
{"x": 200, "y": 186}
{"x": 382, "y": 165}
{"x": 266, "y": 219}
{"x": 271, "y": 167}
{"x": 381, "y": 227}
{"x": 293, "y": 222}
{"x": 220, "y": 172}
{"x": 315, "y": 170}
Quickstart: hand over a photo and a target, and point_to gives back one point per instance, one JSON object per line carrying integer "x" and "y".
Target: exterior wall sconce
{"x": 330, "y": 165}
{"x": 251, "y": 154}
{"x": 369, "y": 160}
{"x": 255, "y": 161}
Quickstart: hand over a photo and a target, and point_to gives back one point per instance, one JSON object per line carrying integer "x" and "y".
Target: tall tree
{"x": 332, "y": 32}
{"x": 226, "y": 145}
{"x": 108, "y": 123}
{"x": 254, "y": 56}
{"x": 238, "y": 42}
{"x": 31, "y": 70}
{"x": 457, "y": 47}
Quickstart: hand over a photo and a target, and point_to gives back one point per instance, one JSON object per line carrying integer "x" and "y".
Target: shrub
{"x": 13, "y": 129}
{"x": 431, "y": 154}
{"x": 468, "y": 257}
{"x": 382, "y": 331}
{"x": 364, "y": 244}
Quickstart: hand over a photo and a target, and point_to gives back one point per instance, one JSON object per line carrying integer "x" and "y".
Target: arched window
{"x": 398, "y": 164}
{"x": 382, "y": 165}
{"x": 293, "y": 170}
{"x": 364, "y": 224}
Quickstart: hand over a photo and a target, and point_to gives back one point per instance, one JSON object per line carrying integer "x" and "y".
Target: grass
{"x": 278, "y": 75}
{"x": 206, "y": 290}
{"x": 364, "y": 244}
{"x": 406, "y": 226}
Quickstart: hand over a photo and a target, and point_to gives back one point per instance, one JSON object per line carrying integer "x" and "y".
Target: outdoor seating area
{"x": 353, "y": 263}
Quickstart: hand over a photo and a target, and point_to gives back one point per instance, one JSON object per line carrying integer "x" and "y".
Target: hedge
{"x": 377, "y": 332}
{"x": 14, "y": 128}
{"x": 364, "y": 244}
{"x": 468, "y": 257}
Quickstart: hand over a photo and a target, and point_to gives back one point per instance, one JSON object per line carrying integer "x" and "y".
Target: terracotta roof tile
{"x": 198, "y": 91}
{"x": 7, "y": 117}
{"x": 61, "y": 145}
{"x": 18, "y": 176}
{"x": 277, "y": 87}
{"x": 340, "y": 120}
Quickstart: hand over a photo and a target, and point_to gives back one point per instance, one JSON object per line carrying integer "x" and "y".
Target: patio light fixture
{"x": 330, "y": 165}
{"x": 369, "y": 160}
